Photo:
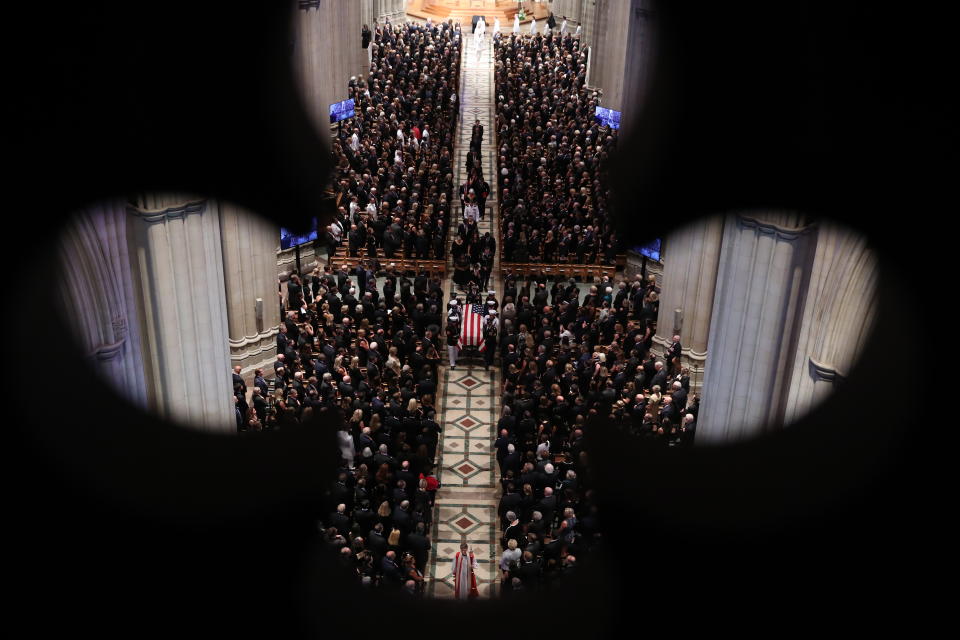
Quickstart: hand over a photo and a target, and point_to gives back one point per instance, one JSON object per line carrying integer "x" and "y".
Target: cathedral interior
{"x": 502, "y": 301}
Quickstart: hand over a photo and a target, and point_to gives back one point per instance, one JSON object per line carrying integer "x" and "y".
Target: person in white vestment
{"x": 463, "y": 570}
{"x": 563, "y": 26}
{"x": 533, "y": 25}
{"x": 579, "y": 28}
{"x": 471, "y": 211}
{"x": 496, "y": 26}
{"x": 516, "y": 24}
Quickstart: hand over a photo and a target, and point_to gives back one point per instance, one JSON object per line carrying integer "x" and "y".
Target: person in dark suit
{"x": 547, "y": 505}
{"x": 501, "y": 443}
{"x": 401, "y": 517}
{"x": 418, "y": 542}
{"x": 260, "y": 382}
{"x": 528, "y": 571}
{"x": 660, "y": 377}
{"x": 679, "y": 396}
{"x": 259, "y": 404}
{"x": 294, "y": 292}
{"x": 510, "y": 501}
{"x": 673, "y": 355}
{"x": 282, "y": 339}
{"x": 511, "y": 461}
{"x": 688, "y": 430}
{"x": 377, "y": 541}
{"x": 476, "y": 139}
{"x": 512, "y": 531}
{"x": 392, "y": 577}
{"x": 340, "y": 519}
{"x": 238, "y": 379}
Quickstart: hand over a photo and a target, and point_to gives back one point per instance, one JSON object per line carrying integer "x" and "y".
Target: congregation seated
{"x": 393, "y": 161}
{"x": 552, "y": 156}
{"x": 569, "y": 364}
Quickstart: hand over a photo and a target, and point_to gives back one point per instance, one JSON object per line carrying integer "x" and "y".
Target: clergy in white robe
{"x": 533, "y": 25}
{"x": 516, "y": 24}
{"x": 579, "y": 28}
{"x": 563, "y": 26}
{"x": 496, "y": 26}
{"x": 464, "y": 578}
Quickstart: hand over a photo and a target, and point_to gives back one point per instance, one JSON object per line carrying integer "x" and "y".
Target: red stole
{"x": 456, "y": 575}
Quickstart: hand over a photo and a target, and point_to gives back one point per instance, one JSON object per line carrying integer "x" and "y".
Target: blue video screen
{"x": 608, "y": 117}
{"x": 341, "y": 111}
{"x": 288, "y": 239}
{"x": 651, "y": 249}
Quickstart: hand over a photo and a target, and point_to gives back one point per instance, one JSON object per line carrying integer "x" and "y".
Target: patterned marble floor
{"x": 468, "y": 397}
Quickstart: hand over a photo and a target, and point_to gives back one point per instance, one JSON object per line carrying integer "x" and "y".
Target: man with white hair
{"x": 511, "y": 461}
{"x": 513, "y": 529}
{"x": 660, "y": 377}
{"x": 688, "y": 429}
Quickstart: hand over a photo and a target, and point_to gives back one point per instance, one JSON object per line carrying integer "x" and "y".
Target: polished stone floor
{"x": 468, "y": 396}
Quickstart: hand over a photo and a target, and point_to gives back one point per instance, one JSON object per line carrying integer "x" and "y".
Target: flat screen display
{"x": 608, "y": 117}
{"x": 651, "y": 249}
{"x": 288, "y": 239}
{"x": 341, "y": 110}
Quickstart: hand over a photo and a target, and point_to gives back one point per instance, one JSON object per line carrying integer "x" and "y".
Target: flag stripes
{"x": 471, "y": 333}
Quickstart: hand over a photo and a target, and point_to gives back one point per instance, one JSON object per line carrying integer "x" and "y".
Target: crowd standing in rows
{"x": 552, "y": 154}
{"x": 393, "y": 162}
{"x": 570, "y": 362}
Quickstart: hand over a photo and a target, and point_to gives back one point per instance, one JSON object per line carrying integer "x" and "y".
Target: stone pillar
{"x": 572, "y": 9}
{"x": 180, "y": 285}
{"x": 622, "y": 41}
{"x": 840, "y": 311}
{"x": 249, "y": 259}
{"x": 762, "y": 279}
{"x": 98, "y": 296}
{"x": 691, "y": 259}
{"x": 589, "y": 13}
{"x": 328, "y": 51}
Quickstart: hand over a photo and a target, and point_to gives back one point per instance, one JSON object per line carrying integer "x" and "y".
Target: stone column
{"x": 328, "y": 51}
{"x": 840, "y": 311}
{"x": 249, "y": 261}
{"x": 622, "y": 41}
{"x": 180, "y": 283}
{"x": 98, "y": 296}
{"x": 690, "y": 262}
{"x": 762, "y": 279}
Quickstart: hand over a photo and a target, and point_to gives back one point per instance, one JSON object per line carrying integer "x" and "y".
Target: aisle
{"x": 468, "y": 397}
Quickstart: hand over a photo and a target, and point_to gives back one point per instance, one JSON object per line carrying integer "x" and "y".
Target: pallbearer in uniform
{"x": 490, "y": 328}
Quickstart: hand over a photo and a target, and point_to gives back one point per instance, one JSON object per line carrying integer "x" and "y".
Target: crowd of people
{"x": 568, "y": 365}
{"x": 569, "y": 361}
{"x": 369, "y": 353}
{"x": 553, "y": 155}
{"x": 393, "y": 161}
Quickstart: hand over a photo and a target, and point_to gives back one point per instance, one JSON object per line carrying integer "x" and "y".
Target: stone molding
{"x": 246, "y": 340}
{"x": 825, "y": 372}
{"x": 155, "y": 216}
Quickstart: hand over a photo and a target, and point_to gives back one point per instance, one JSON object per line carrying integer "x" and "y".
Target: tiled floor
{"x": 468, "y": 396}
